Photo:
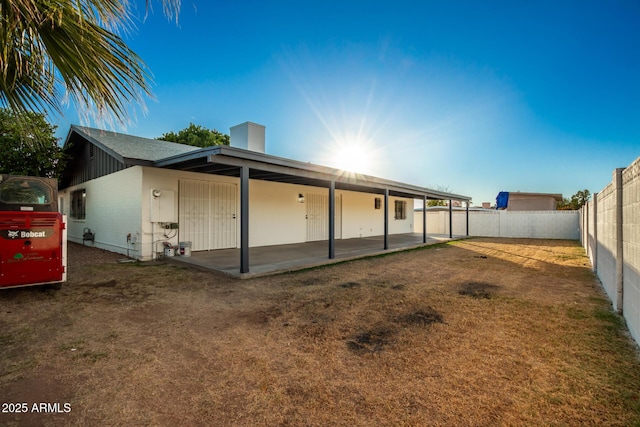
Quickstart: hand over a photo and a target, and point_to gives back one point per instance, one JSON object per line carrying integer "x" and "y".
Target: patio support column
{"x": 467, "y": 219}
{"x": 244, "y": 219}
{"x": 450, "y": 219}
{"x": 386, "y": 218}
{"x": 424, "y": 219}
{"x": 332, "y": 219}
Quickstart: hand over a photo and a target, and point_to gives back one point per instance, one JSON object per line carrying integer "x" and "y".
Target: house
{"x": 517, "y": 201}
{"x": 137, "y": 195}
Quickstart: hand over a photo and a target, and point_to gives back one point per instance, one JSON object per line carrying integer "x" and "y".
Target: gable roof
{"x": 128, "y": 147}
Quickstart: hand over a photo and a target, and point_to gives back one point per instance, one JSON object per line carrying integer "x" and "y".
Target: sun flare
{"x": 353, "y": 158}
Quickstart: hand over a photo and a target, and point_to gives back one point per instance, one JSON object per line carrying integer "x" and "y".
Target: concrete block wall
{"x": 631, "y": 247}
{"x": 610, "y": 233}
{"x": 536, "y": 225}
{"x": 606, "y": 241}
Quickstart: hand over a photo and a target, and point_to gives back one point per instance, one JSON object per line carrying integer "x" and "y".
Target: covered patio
{"x": 246, "y": 165}
{"x": 268, "y": 260}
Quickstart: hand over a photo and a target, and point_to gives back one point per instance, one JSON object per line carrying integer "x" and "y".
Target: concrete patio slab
{"x": 266, "y": 260}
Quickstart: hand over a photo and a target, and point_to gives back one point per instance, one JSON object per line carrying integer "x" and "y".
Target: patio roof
{"x": 224, "y": 160}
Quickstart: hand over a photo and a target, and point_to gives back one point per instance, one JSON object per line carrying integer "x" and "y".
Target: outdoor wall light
{"x": 300, "y": 198}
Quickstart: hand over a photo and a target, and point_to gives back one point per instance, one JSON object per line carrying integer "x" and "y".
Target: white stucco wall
{"x": 275, "y": 216}
{"x": 360, "y": 218}
{"x": 113, "y": 209}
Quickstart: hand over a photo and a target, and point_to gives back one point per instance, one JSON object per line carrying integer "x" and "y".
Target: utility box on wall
{"x": 163, "y": 206}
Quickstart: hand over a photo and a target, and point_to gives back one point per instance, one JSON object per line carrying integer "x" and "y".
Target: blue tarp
{"x": 502, "y": 200}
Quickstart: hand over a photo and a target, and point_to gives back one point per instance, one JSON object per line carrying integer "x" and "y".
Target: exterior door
{"x": 223, "y": 215}
{"x": 207, "y": 214}
{"x": 318, "y": 216}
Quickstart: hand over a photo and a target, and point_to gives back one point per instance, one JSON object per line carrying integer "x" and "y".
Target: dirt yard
{"x": 480, "y": 332}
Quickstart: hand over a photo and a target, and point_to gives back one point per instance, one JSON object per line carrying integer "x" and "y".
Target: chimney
{"x": 248, "y": 136}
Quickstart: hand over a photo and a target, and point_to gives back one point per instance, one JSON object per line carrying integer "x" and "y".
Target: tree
{"x": 435, "y": 202}
{"x": 197, "y": 136}
{"x": 54, "y": 49}
{"x": 28, "y": 145}
{"x": 577, "y": 201}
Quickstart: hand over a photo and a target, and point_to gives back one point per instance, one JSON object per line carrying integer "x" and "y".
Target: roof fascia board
{"x": 329, "y": 175}
{"x": 337, "y": 174}
{"x": 192, "y": 155}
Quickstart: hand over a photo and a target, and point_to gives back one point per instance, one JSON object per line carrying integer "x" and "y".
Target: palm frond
{"x": 50, "y": 49}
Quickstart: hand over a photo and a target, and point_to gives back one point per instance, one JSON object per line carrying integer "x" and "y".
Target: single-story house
{"x": 135, "y": 195}
{"x": 517, "y": 201}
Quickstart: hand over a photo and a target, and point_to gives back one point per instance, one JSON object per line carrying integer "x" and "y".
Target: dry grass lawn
{"x": 480, "y": 332}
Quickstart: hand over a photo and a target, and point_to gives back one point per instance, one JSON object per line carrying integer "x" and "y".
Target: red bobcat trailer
{"x": 33, "y": 235}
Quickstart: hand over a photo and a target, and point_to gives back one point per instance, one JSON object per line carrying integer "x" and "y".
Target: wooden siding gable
{"x": 95, "y": 153}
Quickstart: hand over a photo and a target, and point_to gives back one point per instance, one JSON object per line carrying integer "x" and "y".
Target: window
{"x": 78, "y": 203}
{"x": 25, "y": 191}
{"x": 401, "y": 209}
{"x": 377, "y": 203}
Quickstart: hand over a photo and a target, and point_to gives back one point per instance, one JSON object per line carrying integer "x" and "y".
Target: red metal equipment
{"x": 33, "y": 237}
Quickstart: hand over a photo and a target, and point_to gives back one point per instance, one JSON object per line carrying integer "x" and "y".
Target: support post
{"x": 424, "y": 219}
{"x": 244, "y": 219}
{"x": 450, "y": 219}
{"x": 386, "y": 218}
{"x": 467, "y": 219}
{"x": 332, "y": 219}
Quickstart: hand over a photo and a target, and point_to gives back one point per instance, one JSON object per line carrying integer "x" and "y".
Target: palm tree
{"x": 54, "y": 50}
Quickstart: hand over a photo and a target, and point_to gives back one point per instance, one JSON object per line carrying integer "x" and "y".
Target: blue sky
{"x": 476, "y": 97}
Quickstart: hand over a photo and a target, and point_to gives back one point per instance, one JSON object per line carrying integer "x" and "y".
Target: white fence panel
{"x": 532, "y": 224}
